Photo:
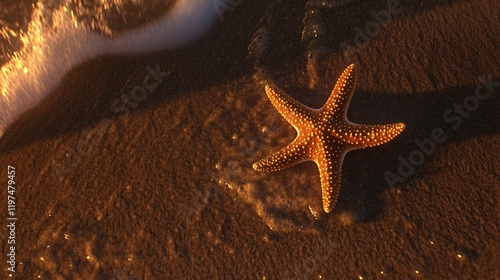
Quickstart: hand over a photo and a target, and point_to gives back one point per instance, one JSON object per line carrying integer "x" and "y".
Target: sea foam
{"x": 55, "y": 42}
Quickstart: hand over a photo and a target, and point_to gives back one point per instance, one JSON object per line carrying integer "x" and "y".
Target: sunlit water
{"x": 54, "y": 42}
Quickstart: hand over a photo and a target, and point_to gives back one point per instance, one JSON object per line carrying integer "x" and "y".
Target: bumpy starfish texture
{"x": 324, "y": 135}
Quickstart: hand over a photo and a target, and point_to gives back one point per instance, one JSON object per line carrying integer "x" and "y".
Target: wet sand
{"x": 159, "y": 192}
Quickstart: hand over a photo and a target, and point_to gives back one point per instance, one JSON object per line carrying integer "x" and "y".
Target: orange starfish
{"x": 324, "y": 135}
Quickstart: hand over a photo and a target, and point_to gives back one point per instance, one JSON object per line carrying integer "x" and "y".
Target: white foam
{"x": 50, "y": 51}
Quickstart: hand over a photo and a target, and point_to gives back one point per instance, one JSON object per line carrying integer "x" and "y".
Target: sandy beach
{"x": 118, "y": 178}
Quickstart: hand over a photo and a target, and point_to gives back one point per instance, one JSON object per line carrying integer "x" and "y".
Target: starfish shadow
{"x": 363, "y": 172}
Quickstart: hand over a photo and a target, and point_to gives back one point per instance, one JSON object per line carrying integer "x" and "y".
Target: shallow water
{"x": 61, "y": 35}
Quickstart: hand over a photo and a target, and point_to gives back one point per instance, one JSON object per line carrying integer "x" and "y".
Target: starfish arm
{"x": 364, "y": 136}
{"x": 292, "y": 110}
{"x": 338, "y": 102}
{"x": 294, "y": 153}
{"x": 329, "y": 161}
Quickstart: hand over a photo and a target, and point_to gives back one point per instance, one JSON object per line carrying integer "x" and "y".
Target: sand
{"x": 166, "y": 191}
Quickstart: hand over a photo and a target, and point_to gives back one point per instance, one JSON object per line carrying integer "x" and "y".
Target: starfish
{"x": 324, "y": 135}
